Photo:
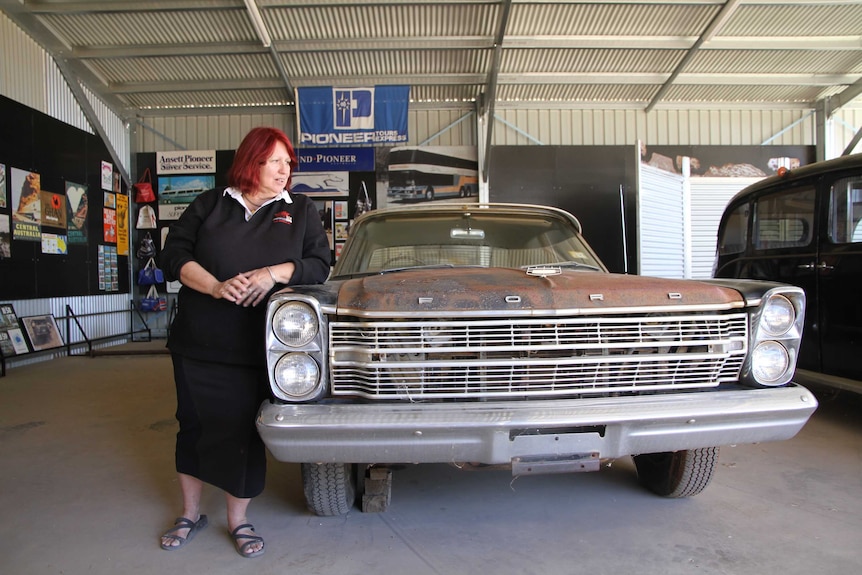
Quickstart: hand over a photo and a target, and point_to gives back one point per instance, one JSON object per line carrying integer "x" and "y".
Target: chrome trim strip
{"x": 400, "y": 314}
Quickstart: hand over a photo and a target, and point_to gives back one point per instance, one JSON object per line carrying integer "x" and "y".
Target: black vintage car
{"x": 804, "y": 227}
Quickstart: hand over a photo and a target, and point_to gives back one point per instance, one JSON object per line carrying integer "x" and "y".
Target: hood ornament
{"x": 544, "y": 271}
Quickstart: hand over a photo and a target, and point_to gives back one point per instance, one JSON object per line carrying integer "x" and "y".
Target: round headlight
{"x": 295, "y": 323}
{"x": 296, "y": 374}
{"x": 778, "y": 315}
{"x": 769, "y": 362}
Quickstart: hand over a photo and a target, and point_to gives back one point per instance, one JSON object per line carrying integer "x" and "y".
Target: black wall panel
{"x": 32, "y": 141}
{"x": 584, "y": 180}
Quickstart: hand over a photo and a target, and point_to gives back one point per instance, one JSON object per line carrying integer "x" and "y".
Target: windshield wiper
{"x": 423, "y": 267}
{"x": 570, "y": 264}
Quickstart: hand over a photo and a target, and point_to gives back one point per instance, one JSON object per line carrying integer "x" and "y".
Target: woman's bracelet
{"x": 274, "y": 281}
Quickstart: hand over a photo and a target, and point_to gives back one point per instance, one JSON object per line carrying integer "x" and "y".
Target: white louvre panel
{"x": 709, "y": 196}
{"x": 661, "y": 223}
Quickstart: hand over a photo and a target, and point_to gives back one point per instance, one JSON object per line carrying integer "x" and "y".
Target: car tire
{"x": 678, "y": 473}
{"x": 429, "y": 193}
{"x": 330, "y": 488}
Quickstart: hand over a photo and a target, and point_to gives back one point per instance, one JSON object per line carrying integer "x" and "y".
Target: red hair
{"x": 253, "y": 151}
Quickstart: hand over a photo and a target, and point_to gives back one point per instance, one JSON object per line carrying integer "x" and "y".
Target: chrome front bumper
{"x": 504, "y": 432}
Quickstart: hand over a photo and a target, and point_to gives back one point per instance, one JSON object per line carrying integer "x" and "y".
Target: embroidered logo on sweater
{"x": 283, "y": 218}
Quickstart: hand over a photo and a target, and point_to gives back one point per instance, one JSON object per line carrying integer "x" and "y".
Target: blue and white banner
{"x": 335, "y": 159}
{"x": 331, "y": 116}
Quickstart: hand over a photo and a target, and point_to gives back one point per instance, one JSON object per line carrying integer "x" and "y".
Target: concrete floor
{"x": 87, "y": 486}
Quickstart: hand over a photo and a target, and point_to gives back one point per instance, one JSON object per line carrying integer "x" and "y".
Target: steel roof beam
{"x": 489, "y": 99}
{"x": 711, "y": 30}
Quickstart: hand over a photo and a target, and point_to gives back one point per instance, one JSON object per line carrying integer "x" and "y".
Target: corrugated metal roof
{"x": 148, "y": 58}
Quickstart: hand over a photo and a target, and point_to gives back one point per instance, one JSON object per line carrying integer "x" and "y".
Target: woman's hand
{"x": 235, "y": 289}
{"x": 245, "y": 289}
{"x": 253, "y": 286}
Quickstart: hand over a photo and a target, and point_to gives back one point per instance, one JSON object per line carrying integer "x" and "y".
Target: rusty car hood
{"x": 465, "y": 290}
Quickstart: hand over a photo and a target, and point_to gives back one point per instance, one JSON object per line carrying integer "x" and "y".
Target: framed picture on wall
{"x": 8, "y": 317}
{"x": 341, "y": 210}
{"x": 42, "y": 331}
{"x": 11, "y": 339}
{"x": 12, "y": 342}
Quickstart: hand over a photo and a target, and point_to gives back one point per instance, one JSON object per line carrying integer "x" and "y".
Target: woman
{"x": 230, "y": 249}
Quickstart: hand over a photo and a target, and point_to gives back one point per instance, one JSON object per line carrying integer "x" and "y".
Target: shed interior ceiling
{"x": 163, "y": 57}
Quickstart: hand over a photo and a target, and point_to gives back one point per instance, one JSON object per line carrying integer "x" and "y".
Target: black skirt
{"x": 216, "y": 408}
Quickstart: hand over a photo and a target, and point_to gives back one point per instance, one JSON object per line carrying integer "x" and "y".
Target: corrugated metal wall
{"x": 585, "y": 127}
{"x": 558, "y": 127}
{"x": 521, "y": 126}
{"x": 845, "y": 123}
{"x": 222, "y": 132}
{"x": 115, "y": 128}
{"x": 444, "y": 127}
{"x": 30, "y": 76}
{"x": 21, "y": 65}
{"x": 60, "y": 102}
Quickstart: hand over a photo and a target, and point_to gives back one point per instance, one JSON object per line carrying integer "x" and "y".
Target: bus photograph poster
{"x": 426, "y": 173}
{"x": 330, "y": 116}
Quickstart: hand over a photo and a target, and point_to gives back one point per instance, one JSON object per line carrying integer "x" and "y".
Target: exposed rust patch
{"x": 472, "y": 289}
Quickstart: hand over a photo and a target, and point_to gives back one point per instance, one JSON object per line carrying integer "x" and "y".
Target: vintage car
{"x": 804, "y": 227}
{"x": 491, "y": 334}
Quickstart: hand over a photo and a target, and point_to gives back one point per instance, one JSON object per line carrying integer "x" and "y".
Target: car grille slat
{"x": 553, "y": 357}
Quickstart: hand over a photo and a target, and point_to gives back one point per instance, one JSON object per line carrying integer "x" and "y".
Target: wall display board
{"x": 341, "y": 182}
{"x": 177, "y": 178}
{"x": 62, "y": 206}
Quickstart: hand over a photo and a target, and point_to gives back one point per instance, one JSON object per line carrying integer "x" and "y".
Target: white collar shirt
{"x": 237, "y": 195}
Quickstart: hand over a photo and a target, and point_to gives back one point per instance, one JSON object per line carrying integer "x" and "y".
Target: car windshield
{"x": 479, "y": 238}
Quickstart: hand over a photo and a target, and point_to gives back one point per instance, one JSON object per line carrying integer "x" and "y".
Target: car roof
{"x": 811, "y": 170}
{"x": 458, "y": 207}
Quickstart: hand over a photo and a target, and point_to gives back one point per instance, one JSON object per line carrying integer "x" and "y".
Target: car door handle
{"x": 820, "y": 266}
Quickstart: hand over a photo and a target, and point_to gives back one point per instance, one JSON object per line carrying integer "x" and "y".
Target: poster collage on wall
{"x": 181, "y": 176}
{"x": 57, "y": 219}
{"x": 341, "y": 184}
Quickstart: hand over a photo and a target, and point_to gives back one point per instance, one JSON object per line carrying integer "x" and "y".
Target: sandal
{"x": 252, "y": 539}
{"x": 183, "y": 523}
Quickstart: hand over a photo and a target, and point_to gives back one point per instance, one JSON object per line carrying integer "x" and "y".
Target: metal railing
{"x": 82, "y": 340}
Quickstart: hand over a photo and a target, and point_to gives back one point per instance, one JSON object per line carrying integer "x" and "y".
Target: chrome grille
{"x": 553, "y": 357}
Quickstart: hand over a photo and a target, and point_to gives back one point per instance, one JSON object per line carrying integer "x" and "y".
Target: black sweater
{"x": 213, "y": 232}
